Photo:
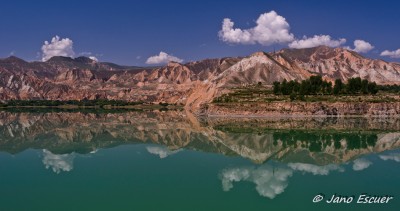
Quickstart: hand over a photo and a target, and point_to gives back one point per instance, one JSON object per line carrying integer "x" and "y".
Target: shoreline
{"x": 302, "y": 109}
{"x": 295, "y": 116}
{"x": 267, "y": 110}
{"x": 138, "y": 107}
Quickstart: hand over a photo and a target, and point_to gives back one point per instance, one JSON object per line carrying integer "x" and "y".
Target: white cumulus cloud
{"x": 317, "y": 40}
{"x": 362, "y": 46}
{"x": 57, "y": 47}
{"x": 361, "y": 164}
{"x": 162, "y": 152}
{"x": 393, "y": 156}
{"x": 391, "y": 54}
{"x": 270, "y": 181}
{"x": 93, "y": 58}
{"x": 163, "y": 58}
{"x": 314, "y": 169}
{"x": 89, "y": 55}
{"x": 58, "y": 163}
{"x": 271, "y": 28}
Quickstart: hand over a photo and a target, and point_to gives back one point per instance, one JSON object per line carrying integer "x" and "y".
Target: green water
{"x": 161, "y": 161}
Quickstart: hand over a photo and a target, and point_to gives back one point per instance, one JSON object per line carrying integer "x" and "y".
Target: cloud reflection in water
{"x": 361, "y": 164}
{"x": 58, "y": 163}
{"x": 269, "y": 180}
{"x": 162, "y": 152}
{"x": 392, "y": 156}
{"x": 314, "y": 169}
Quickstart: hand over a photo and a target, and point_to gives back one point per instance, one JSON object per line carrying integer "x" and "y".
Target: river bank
{"x": 261, "y": 109}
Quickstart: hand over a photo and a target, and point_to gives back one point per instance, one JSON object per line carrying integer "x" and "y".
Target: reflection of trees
{"x": 261, "y": 125}
{"x": 313, "y": 140}
{"x": 316, "y": 141}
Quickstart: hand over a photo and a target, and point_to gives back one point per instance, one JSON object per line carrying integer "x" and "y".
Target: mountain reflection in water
{"x": 315, "y": 146}
{"x": 319, "y": 141}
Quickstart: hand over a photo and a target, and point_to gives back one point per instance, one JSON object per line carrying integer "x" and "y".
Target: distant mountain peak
{"x": 13, "y": 59}
{"x": 259, "y": 53}
{"x": 60, "y": 59}
{"x": 319, "y": 53}
{"x": 84, "y": 59}
{"x": 173, "y": 64}
{"x": 80, "y": 59}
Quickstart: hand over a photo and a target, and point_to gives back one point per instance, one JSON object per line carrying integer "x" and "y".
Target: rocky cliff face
{"x": 191, "y": 84}
{"x": 342, "y": 63}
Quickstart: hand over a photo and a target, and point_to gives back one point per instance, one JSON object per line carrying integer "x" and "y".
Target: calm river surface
{"x": 174, "y": 161}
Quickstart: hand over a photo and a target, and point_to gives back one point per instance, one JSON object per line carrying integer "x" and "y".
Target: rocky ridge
{"x": 192, "y": 84}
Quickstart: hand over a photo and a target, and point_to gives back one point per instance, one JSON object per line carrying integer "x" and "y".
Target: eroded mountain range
{"x": 191, "y": 84}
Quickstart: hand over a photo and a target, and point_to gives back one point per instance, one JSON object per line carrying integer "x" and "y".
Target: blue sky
{"x": 129, "y": 32}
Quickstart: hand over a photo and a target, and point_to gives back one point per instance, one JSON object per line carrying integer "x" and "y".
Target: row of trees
{"x": 390, "y": 88}
{"x": 315, "y": 85}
